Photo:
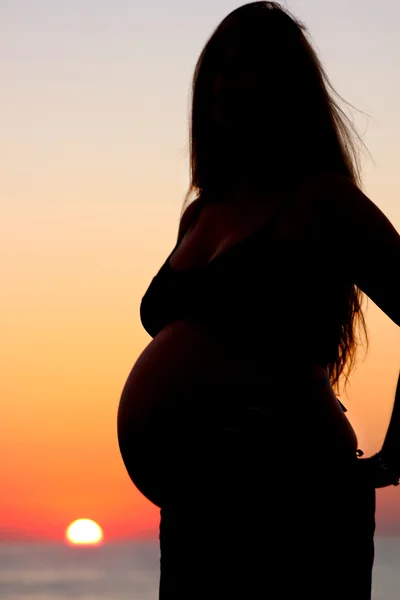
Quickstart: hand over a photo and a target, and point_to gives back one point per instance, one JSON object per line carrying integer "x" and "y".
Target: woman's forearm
{"x": 391, "y": 445}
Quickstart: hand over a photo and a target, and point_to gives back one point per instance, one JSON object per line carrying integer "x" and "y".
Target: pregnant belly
{"x": 185, "y": 386}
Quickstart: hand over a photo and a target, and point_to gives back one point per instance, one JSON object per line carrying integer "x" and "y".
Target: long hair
{"x": 281, "y": 129}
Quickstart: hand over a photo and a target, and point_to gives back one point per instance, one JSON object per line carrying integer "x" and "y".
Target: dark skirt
{"x": 252, "y": 522}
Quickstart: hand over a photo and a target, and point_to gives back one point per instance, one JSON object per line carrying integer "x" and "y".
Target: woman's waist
{"x": 209, "y": 382}
{"x": 294, "y": 403}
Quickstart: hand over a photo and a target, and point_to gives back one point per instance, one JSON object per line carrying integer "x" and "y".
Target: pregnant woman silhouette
{"x": 229, "y": 421}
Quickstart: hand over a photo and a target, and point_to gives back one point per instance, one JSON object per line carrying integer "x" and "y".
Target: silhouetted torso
{"x": 258, "y": 323}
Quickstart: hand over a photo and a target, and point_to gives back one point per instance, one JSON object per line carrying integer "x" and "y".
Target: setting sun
{"x": 84, "y": 532}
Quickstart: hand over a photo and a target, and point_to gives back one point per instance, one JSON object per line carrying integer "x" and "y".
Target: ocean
{"x": 127, "y": 571}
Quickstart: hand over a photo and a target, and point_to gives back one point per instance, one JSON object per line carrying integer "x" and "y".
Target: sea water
{"x": 128, "y": 570}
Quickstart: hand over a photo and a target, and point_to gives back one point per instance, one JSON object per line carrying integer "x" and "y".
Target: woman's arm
{"x": 373, "y": 253}
{"x": 369, "y": 242}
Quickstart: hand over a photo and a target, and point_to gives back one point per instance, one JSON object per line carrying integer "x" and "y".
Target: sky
{"x": 94, "y": 168}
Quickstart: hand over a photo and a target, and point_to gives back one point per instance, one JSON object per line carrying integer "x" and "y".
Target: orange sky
{"x": 63, "y": 379}
{"x": 94, "y": 173}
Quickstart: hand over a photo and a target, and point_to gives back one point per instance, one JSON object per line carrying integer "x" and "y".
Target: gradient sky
{"x": 94, "y": 169}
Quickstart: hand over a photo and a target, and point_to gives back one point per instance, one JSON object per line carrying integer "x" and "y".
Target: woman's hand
{"x": 379, "y": 471}
{"x": 384, "y": 467}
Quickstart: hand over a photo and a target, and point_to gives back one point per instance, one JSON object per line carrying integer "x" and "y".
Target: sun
{"x": 84, "y": 532}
